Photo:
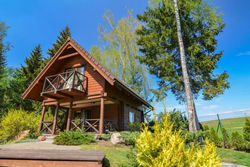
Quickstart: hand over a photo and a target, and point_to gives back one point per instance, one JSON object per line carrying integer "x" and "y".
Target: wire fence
{"x": 225, "y": 115}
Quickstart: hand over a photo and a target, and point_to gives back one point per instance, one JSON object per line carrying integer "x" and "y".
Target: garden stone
{"x": 115, "y": 138}
{"x": 41, "y": 138}
{"x": 22, "y": 134}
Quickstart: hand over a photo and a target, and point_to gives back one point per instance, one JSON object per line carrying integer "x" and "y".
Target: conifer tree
{"x": 23, "y": 77}
{"x": 64, "y": 34}
{"x": 32, "y": 64}
{"x": 3, "y": 48}
{"x": 158, "y": 41}
{"x": 4, "y": 71}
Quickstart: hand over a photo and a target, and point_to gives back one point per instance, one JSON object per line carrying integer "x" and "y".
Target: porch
{"x": 69, "y": 91}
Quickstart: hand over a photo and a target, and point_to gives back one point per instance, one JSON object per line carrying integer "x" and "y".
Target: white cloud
{"x": 247, "y": 53}
{"x": 210, "y": 107}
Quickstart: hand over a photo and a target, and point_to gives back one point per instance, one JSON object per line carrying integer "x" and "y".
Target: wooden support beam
{"x": 41, "y": 119}
{"x": 55, "y": 119}
{"x": 68, "y": 55}
{"x": 49, "y": 96}
{"x": 101, "y": 116}
{"x": 69, "y": 116}
{"x": 64, "y": 94}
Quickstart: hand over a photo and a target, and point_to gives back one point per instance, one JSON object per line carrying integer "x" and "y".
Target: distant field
{"x": 232, "y": 124}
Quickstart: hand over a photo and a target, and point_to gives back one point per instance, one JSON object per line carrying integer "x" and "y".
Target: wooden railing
{"x": 66, "y": 80}
{"x": 93, "y": 125}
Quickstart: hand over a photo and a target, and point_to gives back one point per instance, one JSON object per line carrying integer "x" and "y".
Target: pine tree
{"x": 3, "y": 48}
{"x": 4, "y": 79}
{"x": 23, "y": 77}
{"x": 158, "y": 41}
{"x": 32, "y": 64}
{"x": 64, "y": 34}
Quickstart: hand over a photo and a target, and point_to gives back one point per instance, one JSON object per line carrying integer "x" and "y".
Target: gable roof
{"x": 107, "y": 74}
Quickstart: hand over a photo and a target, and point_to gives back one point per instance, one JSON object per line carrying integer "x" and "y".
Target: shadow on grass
{"x": 106, "y": 163}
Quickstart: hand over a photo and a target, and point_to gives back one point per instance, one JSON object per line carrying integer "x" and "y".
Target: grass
{"x": 236, "y": 157}
{"x": 117, "y": 155}
{"x": 231, "y": 125}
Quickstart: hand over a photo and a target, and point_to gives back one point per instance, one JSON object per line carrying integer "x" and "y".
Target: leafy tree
{"x": 158, "y": 41}
{"x": 61, "y": 39}
{"x": 120, "y": 50}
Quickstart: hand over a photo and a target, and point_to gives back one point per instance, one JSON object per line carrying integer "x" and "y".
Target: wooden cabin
{"x": 75, "y": 83}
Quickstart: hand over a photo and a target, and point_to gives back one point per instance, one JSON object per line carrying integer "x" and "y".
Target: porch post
{"x": 41, "y": 119}
{"x": 69, "y": 116}
{"x": 101, "y": 116}
{"x": 55, "y": 119}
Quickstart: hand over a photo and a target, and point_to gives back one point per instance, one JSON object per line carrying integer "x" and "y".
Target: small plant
{"x": 226, "y": 139}
{"x": 196, "y": 137}
{"x": 238, "y": 141}
{"x": 73, "y": 138}
{"x": 213, "y": 137}
{"x": 134, "y": 126}
{"x": 107, "y": 136}
{"x": 246, "y": 130}
{"x": 129, "y": 137}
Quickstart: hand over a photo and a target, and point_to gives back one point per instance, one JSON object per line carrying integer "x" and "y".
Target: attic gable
{"x": 68, "y": 51}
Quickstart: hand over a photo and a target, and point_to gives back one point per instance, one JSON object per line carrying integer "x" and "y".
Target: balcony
{"x": 67, "y": 84}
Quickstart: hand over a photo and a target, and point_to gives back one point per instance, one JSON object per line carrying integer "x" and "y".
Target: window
{"x": 131, "y": 117}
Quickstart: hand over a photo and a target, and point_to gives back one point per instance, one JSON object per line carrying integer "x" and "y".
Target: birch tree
{"x": 119, "y": 51}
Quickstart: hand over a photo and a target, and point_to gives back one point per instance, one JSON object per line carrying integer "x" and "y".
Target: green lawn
{"x": 233, "y": 124}
{"x": 117, "y": 155}
{"x": 236, "y": 157}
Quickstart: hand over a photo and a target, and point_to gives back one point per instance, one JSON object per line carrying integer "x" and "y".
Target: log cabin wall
{"x": 127, "y": 104}
{"x": 95, "y": 81}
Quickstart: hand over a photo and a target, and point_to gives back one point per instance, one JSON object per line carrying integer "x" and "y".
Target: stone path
{"x": 39, "y": 145}
{"x": 232, "y": 165}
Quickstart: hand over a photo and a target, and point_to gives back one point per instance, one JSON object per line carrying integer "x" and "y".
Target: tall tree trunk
{"x": 192, "y": 116}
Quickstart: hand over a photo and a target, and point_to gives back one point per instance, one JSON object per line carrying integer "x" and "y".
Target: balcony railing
{"x": 66, "y": 80}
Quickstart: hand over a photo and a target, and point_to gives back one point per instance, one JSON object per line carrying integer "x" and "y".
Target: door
{"x": 77, "y": 77}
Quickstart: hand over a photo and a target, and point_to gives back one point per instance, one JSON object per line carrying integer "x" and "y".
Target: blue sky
{"x": 39, "y": 22}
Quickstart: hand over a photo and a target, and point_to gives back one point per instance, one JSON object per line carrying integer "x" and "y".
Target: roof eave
{"x": 133, "y": 93}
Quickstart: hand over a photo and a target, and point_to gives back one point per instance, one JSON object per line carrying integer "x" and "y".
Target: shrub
{"x": 107, "y": 136}
{"x": 32, "y": 136}
{"x": 134, "y": 126}
{"x": 167, "y": 148}
{"x": 226, "y": 139}
{"x": 16, "y": 121}
{"x": 196, "y": 137}
{"x": 129, "y": 137}
{"x": 73, "y": 138}
{"x": 213, "y": 137}
{"x": 246, "y": 130}
{"x": 177, "y": 118}
{"x": 238, "y": 141}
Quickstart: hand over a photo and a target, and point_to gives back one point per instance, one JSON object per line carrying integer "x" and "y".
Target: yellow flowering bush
{"x": 15, "y": 121}
{"x": 166, "y": 148}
